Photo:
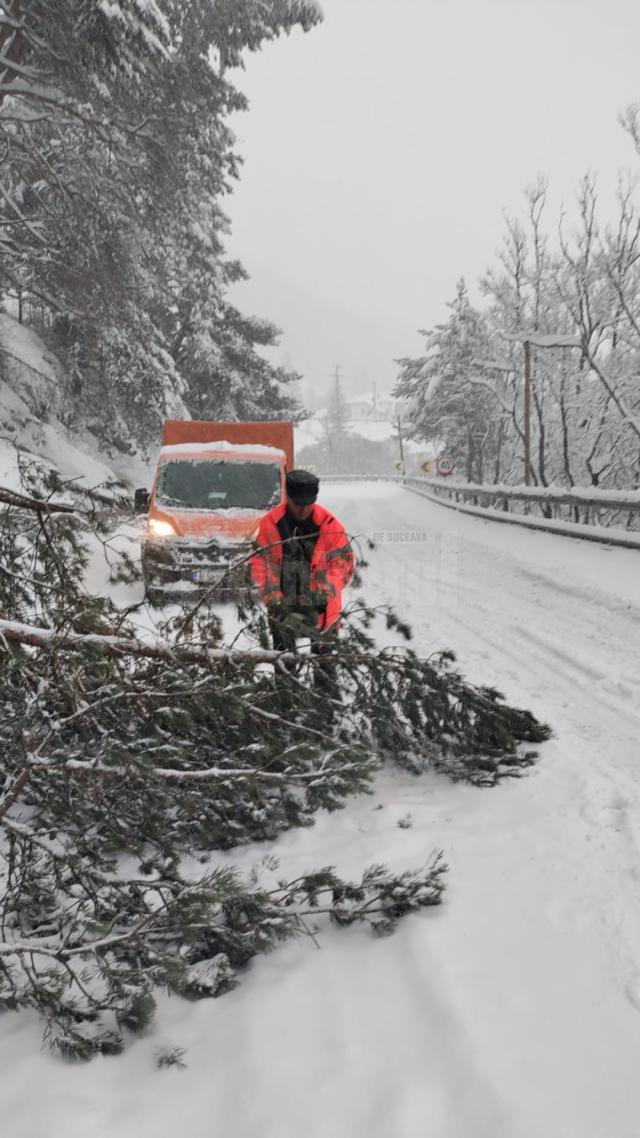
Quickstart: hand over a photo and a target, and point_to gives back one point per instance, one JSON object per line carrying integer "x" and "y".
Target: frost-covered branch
{"x": 213, "y": 774}
{"x": 24, "y": 502}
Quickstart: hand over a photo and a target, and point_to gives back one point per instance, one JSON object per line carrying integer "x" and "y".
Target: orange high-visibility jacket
{"x": 332, "y": 563}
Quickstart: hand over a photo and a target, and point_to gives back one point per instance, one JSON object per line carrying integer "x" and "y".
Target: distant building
{"x": 373, "y": 407}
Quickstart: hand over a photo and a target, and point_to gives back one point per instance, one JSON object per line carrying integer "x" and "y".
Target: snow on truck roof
{"x": 255, "y": 449}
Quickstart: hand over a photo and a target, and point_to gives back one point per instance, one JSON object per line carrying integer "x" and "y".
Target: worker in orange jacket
{"x": 302, "y": 563}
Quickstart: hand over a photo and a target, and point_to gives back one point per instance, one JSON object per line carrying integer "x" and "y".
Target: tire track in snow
{"x": 557, "y": 641}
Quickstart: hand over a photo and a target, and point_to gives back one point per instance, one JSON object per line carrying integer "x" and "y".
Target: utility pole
{"x": 337, "y": 410}
{"x": 400, "y": 442}
{"x": 338, "y": 392}
{"x": 535, "y": 339}
{"x": 527, "y": 412}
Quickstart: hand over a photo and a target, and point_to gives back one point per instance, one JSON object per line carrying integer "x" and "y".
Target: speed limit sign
{"x": 445, "y": 464}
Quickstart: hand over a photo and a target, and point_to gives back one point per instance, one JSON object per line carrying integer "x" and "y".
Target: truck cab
{"x": 213, "y": 483}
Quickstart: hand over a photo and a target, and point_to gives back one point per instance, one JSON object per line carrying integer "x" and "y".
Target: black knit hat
{"x": 302, "y": 487}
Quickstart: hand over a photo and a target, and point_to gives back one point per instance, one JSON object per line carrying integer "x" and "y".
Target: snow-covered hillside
{"x": 513, "y": 1010}
{"x": 30, "y": 428}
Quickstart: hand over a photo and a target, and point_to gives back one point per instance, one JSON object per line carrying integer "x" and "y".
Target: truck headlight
{"x": 159, "y": 528}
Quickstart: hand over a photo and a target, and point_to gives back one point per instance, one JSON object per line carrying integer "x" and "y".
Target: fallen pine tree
{"x": 112, "y": 745}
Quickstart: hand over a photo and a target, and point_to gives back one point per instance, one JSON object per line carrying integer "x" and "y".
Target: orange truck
{"x": 213, "y": 483}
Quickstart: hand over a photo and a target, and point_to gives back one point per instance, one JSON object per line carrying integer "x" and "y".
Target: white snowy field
{"x": 513, "y": 1009}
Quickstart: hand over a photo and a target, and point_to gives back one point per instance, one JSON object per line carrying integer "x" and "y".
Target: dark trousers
{"x": 284, "y": 634}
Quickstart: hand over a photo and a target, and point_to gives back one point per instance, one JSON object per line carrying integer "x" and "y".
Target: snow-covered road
{"x": 542, "y": 948}
{"x": 513, "y": 1010}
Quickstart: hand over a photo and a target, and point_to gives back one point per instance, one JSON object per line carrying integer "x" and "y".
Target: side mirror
{"x": 141, "y": 501}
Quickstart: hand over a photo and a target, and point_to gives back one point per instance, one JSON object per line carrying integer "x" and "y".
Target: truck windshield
{"x": 206, "y": 484}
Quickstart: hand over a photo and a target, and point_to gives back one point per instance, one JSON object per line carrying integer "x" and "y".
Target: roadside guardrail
{"x": 582, "y": 512}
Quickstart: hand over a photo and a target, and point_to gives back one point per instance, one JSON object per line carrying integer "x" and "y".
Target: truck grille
{"x": 197, "y": 555}
{"x": 196, "y": 563}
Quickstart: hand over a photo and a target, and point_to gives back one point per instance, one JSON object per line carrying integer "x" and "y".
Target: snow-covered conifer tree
{"x": 118, "y": 155}
{"x": 446, "y": 403}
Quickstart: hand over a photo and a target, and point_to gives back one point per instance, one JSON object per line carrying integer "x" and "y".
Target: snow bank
{"x": 606, "y": 534}
{"x": 30, "y": 430}
{"x": 550, "y": 493}
{"x": 23, "y": 438}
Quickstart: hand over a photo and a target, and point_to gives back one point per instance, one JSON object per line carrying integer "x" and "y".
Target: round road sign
{"x": 445, "y": 464}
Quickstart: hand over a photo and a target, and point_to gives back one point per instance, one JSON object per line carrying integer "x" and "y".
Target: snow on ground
{"x": 24, "y": 438}
{"x": 512, "y": 1010}
{"x": 29, "y": 426}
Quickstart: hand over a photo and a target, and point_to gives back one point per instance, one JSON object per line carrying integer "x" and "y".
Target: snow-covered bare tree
{"x": 600, "y": 289}
{"x": 566, "y": 300}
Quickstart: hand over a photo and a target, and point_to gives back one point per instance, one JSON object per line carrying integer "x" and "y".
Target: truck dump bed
{"x": 272, "y": 434}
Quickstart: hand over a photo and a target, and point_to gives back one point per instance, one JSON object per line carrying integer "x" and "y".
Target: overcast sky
{"x": 382, "y": 148}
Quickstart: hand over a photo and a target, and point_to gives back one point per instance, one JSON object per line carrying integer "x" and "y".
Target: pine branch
{"x": 213, "y": 774}
{"x": 15, "y": 790}
{"x": 66, "y": 639}
{"x": 36, "y": 948}
{"x": 42, "y": 506}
